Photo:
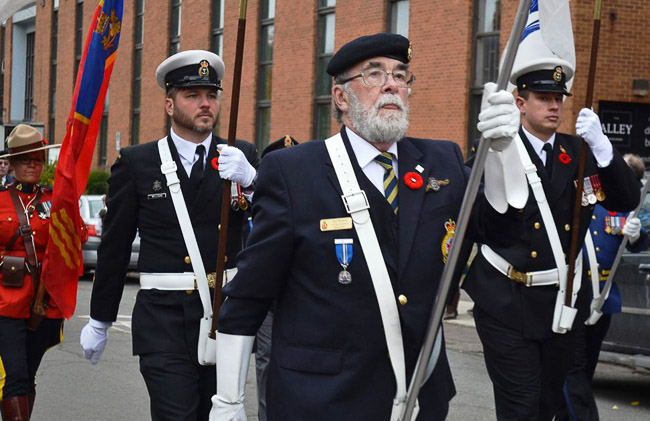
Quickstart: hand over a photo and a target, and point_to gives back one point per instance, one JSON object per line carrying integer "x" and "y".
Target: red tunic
{"x": 15, "y": 302}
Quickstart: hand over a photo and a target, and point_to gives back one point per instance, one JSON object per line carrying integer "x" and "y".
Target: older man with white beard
{"x": 350, "y": 237}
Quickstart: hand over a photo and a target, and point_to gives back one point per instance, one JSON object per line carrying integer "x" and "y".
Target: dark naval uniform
{"x": 579, "y": 397}
{"x": 164, "y": 322}
{"x": 329, "y": 358}
{"x": 503, "y": 305}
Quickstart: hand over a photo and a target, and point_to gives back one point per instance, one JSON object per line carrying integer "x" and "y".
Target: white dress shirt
{"x": 538, "y": 144}
{"x": 187, "y": 150}
{"x": 366, "y": 154}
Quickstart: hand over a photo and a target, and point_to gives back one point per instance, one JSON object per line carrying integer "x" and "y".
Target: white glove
{"x": 233, "y": 356}
{"x": 632, "y": 229}
{"x": 589, "y": 128}
{"x": 499, "y": 118}
{"x": 234, "y": 166}
{"x": 93, "y": 339}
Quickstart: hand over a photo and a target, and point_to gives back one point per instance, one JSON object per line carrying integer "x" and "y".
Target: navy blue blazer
{"x": 139, "y": 200}
{"x": 329, "y": 359}
{"x": 529, "y": 310}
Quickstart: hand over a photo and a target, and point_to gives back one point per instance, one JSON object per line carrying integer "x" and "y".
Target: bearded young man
{"x": 168, "y": 307}
{"x": 336, "y": 319}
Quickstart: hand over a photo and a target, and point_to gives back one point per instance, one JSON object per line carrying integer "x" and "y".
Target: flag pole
{"x": 577, "y": 202}
{"x": 232, "y": 135}
{"x": 468, "y": 200}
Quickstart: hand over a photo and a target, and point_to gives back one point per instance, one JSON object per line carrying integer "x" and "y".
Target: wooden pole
{"x": 577, "y": 202}
{"x": 232, "y": 135}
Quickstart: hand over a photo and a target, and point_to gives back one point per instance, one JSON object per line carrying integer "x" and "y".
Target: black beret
{"x": 284, "y": 142}
{"x": 544, "y": 80}
{"x": 393, "y": 46}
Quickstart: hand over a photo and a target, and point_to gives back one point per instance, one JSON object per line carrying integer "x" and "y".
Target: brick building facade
{"x": 456, "y": 44}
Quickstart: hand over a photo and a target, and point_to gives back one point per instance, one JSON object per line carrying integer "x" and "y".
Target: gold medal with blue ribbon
{"x": 344, "y": 255}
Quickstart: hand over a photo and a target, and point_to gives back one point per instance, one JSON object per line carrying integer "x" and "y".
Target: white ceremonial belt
{"x": 181, "y": 281}
{"x": 168, "y": 281}
{"x": 530, "y": 279}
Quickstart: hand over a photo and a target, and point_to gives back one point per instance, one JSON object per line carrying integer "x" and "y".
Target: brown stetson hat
{"x": 25, "y": 139}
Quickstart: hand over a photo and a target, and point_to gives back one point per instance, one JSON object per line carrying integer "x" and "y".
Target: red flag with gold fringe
{"x": 62, "y": 263}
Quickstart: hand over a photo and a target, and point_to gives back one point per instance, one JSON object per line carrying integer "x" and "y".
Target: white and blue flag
{"x": 547, "y": 40}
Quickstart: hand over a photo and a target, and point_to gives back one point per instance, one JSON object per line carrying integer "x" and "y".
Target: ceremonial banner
{"x": 548, "y": 34}
{"x": 62, "y": 263}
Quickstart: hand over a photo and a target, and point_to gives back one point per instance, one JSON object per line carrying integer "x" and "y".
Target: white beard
{"x": 377, "y": 128}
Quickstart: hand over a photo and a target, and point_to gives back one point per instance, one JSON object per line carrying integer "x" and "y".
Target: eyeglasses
{"x": 25, "y": 160}
{"x": 378, "y": 77}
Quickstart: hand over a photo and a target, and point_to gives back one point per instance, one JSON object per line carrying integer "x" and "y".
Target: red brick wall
{"x": 354, "y": 19}
{"x": 294, "y": 64}
{"x": 42, "y": 65}
{"x": 7, "y": 75}
{"x": 248, "y": 87}
{"x": 64, "y": 63}
{"x": 441, "y": 36}
{"x": 153, "y": 120}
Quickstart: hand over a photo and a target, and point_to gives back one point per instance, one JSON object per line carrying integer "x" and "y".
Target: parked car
{"x": 90, "y": 208}
{"x": 628, "y": 332}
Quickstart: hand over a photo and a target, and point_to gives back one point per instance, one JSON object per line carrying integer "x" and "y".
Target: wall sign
{"x": 627, "y": 124}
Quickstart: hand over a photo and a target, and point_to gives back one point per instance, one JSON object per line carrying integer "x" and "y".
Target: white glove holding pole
{"x": 499, "y": 118}
{"x": 93, "y": 339}
{"x": 632, "y": 229}
{"x": 589, "y": 128}
{"x": 234, "y": 166}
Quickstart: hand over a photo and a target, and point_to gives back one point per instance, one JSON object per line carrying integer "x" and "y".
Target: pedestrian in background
{"x": 607, "y": 229}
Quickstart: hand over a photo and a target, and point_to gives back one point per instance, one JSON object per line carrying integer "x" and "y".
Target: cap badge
{"x": 287, "y": 141}
{"x": 557, "y": 75}
{"x": 204, "y": 71}
{"x": 409, "y": 52}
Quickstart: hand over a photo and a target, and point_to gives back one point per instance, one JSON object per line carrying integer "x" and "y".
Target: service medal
{"x": 589, "y": 191}
{"x": 243, "y": 203}
{"x": 344, "y": 256}
{"x": 598, "y": 187}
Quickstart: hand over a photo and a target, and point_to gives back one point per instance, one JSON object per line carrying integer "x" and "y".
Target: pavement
{"x": 70, "y": 388}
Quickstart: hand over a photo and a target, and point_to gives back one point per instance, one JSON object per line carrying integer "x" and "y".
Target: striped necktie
{"x": 390, "y": 181}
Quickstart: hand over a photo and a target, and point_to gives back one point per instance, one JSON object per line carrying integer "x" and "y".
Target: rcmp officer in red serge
{"x": 22, "y": 349}
{"x": 526, "y": 359}
{"x": 168, "y": 307}
{"x": 331, "y": 281}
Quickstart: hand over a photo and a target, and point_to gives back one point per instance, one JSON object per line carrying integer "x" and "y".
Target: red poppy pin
{"x": 215, "y": 163}
{"x": 564, "y": 157}
{"x": 413, "y": 180}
